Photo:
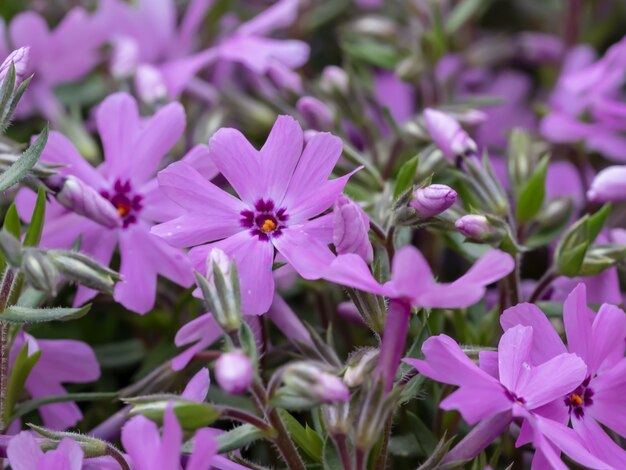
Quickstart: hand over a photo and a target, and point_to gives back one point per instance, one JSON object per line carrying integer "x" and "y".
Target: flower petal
{"x": 204, "y": 450}
{"x": 599, "y": 442}
{"x": 24, "y": 452}
{"x": 198, "y": 386}
{"x": 608, "y": 338}
{"x": 309, "y": 256}
{"x": 578, "y": 320}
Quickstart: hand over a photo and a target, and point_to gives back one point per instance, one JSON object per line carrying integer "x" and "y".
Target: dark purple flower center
{"x": 265, "y": 220}
{"x": 514, "y": 398}
{"x": 127, "y": 204}
{"x": 579, "y": 399}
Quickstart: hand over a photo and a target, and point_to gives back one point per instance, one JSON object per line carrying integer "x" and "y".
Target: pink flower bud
{"x": 477, "y": 227}
{"x": 433, "y": 200}
{"x": 334, "y": 79}
{"x": 350, "y": 229}
{"x": 233, "y": 372}
{"x": 316, "y": 114}
{"x": 448, "y": 134}
{"x": 310, "y": 381}
{"x": 124, "y": 57}
{"x": 331, "y": 388}
{"x": 78, "y": 197}
{"x": 221, "y": 260}
{"x": 284, "y": 78}
{"x": 149, "y": 84}
{"x": 20, "y": 58}
{"x": 609, "y": 185}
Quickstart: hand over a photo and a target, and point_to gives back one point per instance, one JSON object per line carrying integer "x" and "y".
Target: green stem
{"x": 5, "y": 292}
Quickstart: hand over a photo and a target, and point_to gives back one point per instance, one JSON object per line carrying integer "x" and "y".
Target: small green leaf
{"x": 596, "y": 222}
{"x": 12, "y": 221}
{"x": 406, "y": 175}
{"x": 462, "y": 13}
{"x": 17, "y": 314}
{"x": 330, "y": 457}
{"x": 306, "y": 438}
{"x": 426, "y": 440}
{"x": 571, "y": 260}
{"x": 190, "y": 414}
{"x": 239, "y": 437}
{"x": 531, "y": 195}
{"x": 33, "y": 233}
{"x": 27, "y": 160}
{"x": 19, "y": 373}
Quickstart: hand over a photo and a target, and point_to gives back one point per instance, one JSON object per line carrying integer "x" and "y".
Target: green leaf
{"x": 570, "y": 262}
{"x": 596, "y": 222}
{"x": 12, "y": 221}
{"x": 330, "y": 457}
{"x": 437, "y": 455}
{"x": 33, "y": 233}
{"x": 372, "y": 52}
{"x": 306, "y": 438}
{"x": 34, "y": 404}
{"x": 6, "y": 92}
{"x": 190, "y": 414}
{"x": 18, "y": 314}
{"x": 27, "y": 160}
{"x": 19, "y": 373}
{"x": 462, "y": 13}
{"x": 239, "y": 437}
{"x": 531, "y": 195}
{"x": 406, "y": 175}
{"x": 426, "y": 440}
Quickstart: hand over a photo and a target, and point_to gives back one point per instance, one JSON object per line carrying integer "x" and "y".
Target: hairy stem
{"x": 342, "y": 447}
{"x": 5, "y": 292}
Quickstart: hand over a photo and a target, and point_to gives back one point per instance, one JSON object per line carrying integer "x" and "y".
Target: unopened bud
{"x": 601, "y": 257}
{"x": 337, "y": 418}
{"x": 309, "y": 380}
{"x": 234, "y": 372}
{"x": 124, "y": 57}
{"x": 609, "y": 185}
{"x": 315, "y": 113}
{"x": 220, "y": 289}
{"x": 359, "y": 366}
{"x": 554, "y": 213}
{"x": 448, "y": 134}
{"x": 84, "y": 200}
{"x": 478, "y": 228}
{"x": 350, "y": 229}
{"x": 284, "y": 78}
{"x": 19, "y": 58}
{"x": 432, "y": 200}
{"x": 40, "y": 272}
{"x": 149, "y": 84}
{"x": 334, "y": 80}
{"x": 11, "y": 248}
{"x": 83, "y": 270}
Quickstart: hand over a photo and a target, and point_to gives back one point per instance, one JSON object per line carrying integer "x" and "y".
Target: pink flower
{"x": 234, "y": 372}
{"x": 448, "y": 134}
{"x": 519, "y": 386}
{"x": 282, "y": 188}
{"x": 133, "y": 149}
{"x": 25, "y": 454}
{"x": 600, "y": 341}
{"x": 148, "y": 450}
{"x": 351, "y": 227}
{"x": 61, "y": 361}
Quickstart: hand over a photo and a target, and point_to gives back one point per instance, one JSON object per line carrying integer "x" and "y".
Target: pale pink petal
{"x": 578, "y": 320}
{"x": 598, "y": 442}
{"x": 198, "y": 386}
{"x": 410, "y": 274}
{"x": 305, "y": 253}
{"x": 477, "y": 402}
{"x": 199, "y": 158}
{"x": 140, "y": 438}
{"x": 288, "y": 322}
{"x": 203, "y": 330}
{"x": 352, "y": 271}
{"x": 169, "y": 453}
{"x": 609, "y": 400}
{"x": 280, "y": 15}
{"x": 514, "y": 357}
{"x": 24, "y": 452}
{"x": 204, "y": 450}
{"x": 608, "y": 342}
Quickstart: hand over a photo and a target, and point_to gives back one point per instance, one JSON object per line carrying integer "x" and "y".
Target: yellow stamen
{"x": 576, "y": 399}
{"x": 123, "y": 209}
{"x": 268, "y": 226}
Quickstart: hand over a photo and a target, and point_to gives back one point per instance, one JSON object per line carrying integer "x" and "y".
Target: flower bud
{"x": 350, "y": 229}
{"x": 540, "y": 47}
{"x": 334, "y": 79}
{"x": 448, "y": 134}
{"x": 11, "y": 248}
{"x": 83, "y": 270}
{"x": 432, "y": 200}
{"x": 220, "y": 289}
{"x": 19, "y": 58}
{"x": 124, "y": 57}
{"x": 316, "y": 114}
{"x": 601, "y": 257}
{"x": 149, "y": 84}
{"x": 337, "y": 418}
{"x": 284, "y": 78}
{"x": 478, "y": 228}
{"x": 234, "y": 372}
{"x": 359, "y": 365}
{"x": 40, "y": 272}
{"x": 309, "y": 380}
{"x": 82, "y": 199}
{"x": 609, "y": 185}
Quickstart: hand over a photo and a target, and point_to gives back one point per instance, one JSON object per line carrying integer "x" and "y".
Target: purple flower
{"x": 448, "y": 134}
{"x": 234, "y": 372}
{"x": 609, "y": 185}
{"x": 351, "y": 226}
{"x": 522, "y": 388}
{"x": 133, "y": 149}
{"x": 282, "y": 188}
{"x": 65, "y": 54}
{"x": 19, "y": 58}
{"x": 315, "y": 113}
{"x": 476, "y": 227}
{"x": 61, "y": 361}
{"x": 432, "y": 200}
{"x": 24, "y": 453}
{"x": 148, "y": 450}
{"x": 600, "y": 341}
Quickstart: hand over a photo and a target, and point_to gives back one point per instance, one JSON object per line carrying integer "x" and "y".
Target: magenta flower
{"x": 609, "y": 185}
{"x": 282, "y": 188}
{"x": 523, "y": 388}
{"x": 61, "y": 361}
{"x": 148, "y": 450}
{"x": 433, "y": 199}
{"x": 133, "y": 149}
{"x": 234, "y": 372}
{"x": 24, "y": 453}
{"x": 65, "y": 54}
{"x": 600, "y": 341}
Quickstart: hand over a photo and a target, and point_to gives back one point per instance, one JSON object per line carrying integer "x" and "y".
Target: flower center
{"x": 514, "y": 398}
{"x": 126, "y": 203}
{"x": 265, "y": 220}
{"x": 579, "y": 399}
